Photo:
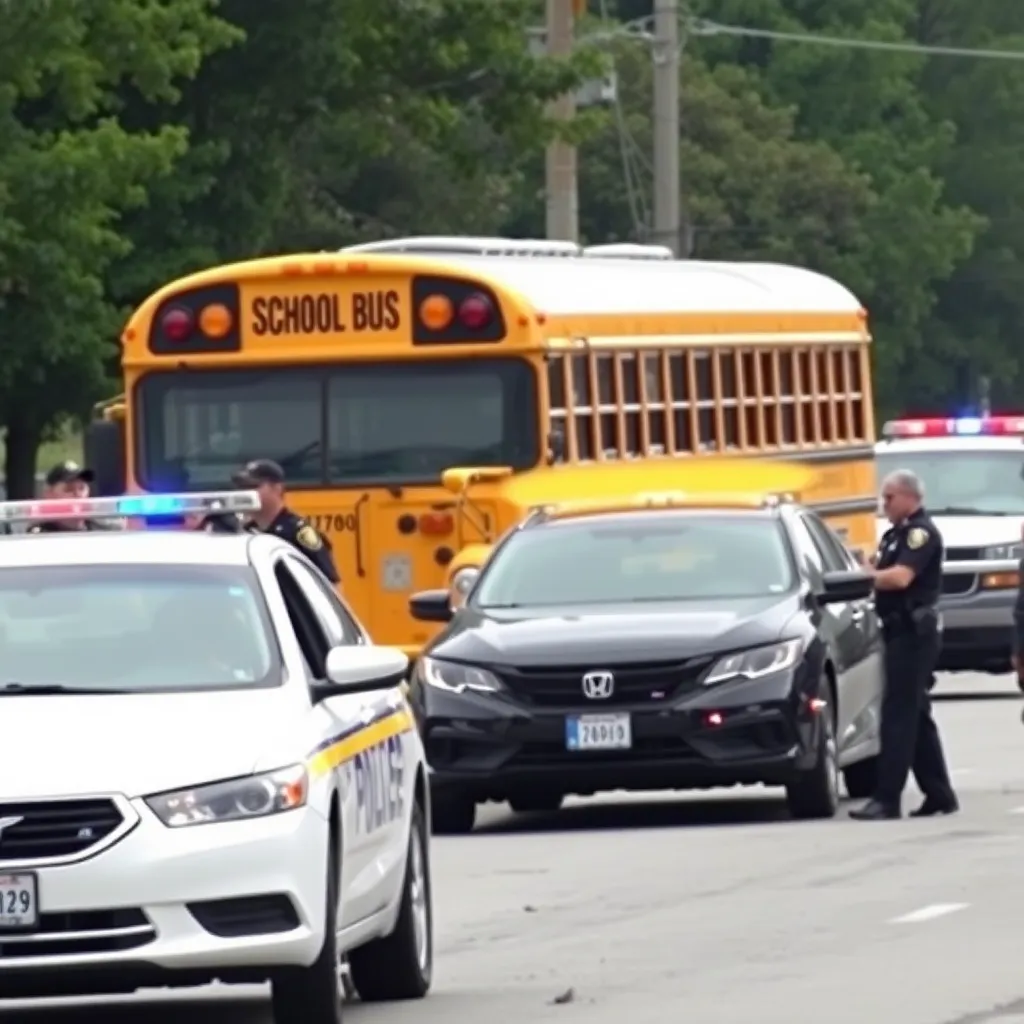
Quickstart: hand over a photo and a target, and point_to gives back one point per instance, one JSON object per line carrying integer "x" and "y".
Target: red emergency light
{"x": 966, "y": 426}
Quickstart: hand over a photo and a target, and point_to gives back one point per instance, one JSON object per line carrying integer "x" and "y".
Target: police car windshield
{"x": 133, "y": 629}
{"x": 964, "y": 482}
{"x": 602, "y": 561}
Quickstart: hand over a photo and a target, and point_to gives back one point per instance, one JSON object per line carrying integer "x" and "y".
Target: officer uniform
{"x": 912, "y": 634}
{"x": 287, "y": 524}
{"x": 1018, "y": 630}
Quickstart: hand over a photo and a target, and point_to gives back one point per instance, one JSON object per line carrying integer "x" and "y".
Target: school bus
{"x": 423, "y": 394}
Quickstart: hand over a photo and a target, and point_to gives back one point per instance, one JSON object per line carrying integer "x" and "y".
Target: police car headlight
{"x": 446, "y": 675}
{"x": 999, "y": 552}
{"x": 254, "y": 796}
{"x": 753, "y": 664}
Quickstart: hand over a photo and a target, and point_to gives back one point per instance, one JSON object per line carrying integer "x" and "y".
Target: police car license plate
{"x": 19, "y": 902}
{"x": 598, "y": 732}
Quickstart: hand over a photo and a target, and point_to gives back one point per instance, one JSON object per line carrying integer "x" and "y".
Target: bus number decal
{"x": 380, "y": 782}
{"x": 325, "y": 313}
{"x": 334, "y": 524}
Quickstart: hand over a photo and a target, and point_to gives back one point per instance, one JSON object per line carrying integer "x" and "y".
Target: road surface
{"x": 715, "y": 909}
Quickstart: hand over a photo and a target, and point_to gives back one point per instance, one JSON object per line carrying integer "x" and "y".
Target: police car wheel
{"x": 815, "y": 794}
{"x": 860, "y": 778}
{"x": 314, "y": 994}
{"x": 536, "y": 803}
{"x": 452, "y": 815}
{"x": 400, "y": 965}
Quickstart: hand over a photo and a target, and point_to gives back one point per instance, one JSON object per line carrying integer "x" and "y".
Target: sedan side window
{"x": 836, "y": 557}
{"x": 808, "y": 553}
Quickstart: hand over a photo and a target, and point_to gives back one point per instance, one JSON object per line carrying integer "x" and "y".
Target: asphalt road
{"x": 716, "y": 910}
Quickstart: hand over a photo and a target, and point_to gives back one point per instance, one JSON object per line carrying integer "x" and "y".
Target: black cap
{"x": 259, "y": 471}
{"x": 69, "y": 473}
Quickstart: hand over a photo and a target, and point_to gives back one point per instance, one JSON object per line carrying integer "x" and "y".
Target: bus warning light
{"x": 436, "y": 312}
{"x": 177, "y": 324}
{"x": 216, "y": 321}
{"x": 436, "y": 524}
{"x": 475, "y": 312}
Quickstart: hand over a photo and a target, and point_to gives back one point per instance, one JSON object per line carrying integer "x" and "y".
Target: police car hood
{"x": 136, "y": 744}
{"x": 972, "y": 531}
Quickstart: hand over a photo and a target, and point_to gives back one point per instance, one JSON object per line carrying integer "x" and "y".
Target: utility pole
{"x": 560, "y": 174}
{"x": 667, "y": 221}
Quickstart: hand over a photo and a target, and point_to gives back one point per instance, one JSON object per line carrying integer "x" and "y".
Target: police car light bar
{"x": 130, "y": 506}
{"x": 968, "y": 426}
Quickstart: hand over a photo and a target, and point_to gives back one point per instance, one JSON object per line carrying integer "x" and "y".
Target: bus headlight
{"x": 462, "y": 583}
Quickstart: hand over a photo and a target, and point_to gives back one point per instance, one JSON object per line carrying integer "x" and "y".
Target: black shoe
{"x": 874, "y": 810}
{"x": 931, "y": 807}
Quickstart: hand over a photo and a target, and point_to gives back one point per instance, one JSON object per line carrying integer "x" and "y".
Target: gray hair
{"x": 907, "y": 481}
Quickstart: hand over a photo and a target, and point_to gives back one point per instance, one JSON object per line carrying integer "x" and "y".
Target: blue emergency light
{"x": 130, "y": 506}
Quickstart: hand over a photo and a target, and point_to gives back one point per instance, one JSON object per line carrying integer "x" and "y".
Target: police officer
{"x": 908, "y": 581}
{"x": 66, "y": 480}
{"x": 274, "y": 516}
{"x": 1018, "y": 626}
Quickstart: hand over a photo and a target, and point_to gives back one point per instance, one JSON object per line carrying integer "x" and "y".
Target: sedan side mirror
{"x": 431, "y": 606}
{"x": 844, "y": 586}
{"x": 362, "y": 669}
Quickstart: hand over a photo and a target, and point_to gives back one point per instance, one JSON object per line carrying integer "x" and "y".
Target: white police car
{"x": 973, "y": 472}
{"x": 207, "y": 770}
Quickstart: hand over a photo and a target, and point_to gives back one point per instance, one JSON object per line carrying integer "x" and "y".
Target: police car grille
{"x": 55, "y": 828}
{"x": 958, "y": 582}
{"x": 964, "y": 554}
{"x": 639, "y": 682}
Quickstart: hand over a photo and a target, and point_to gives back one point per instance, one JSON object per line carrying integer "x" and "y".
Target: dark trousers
{"x": 910, "y": 738}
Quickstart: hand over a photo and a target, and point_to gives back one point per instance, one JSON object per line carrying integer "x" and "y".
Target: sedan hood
{"x": 135, "y": 744}
{"x": 614, "y": 633}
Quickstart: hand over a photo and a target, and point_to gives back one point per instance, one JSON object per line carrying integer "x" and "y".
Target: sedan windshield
{"x": 988, "y": 483}
{"x": 596, "y": 560}
{"x": 133, "y": 628}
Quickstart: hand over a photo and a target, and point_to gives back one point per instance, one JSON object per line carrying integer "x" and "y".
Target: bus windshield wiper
{"x": 49, "y": 690}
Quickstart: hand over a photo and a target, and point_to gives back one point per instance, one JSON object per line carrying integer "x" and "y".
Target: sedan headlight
{"x": 254, "y": 796}
{"x": 998, "y": 552}
{"x": 760, "y": 661}
{"x": 447, "y": 675}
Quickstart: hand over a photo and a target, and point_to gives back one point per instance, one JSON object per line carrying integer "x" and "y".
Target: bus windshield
{"x": 362, "y": 423}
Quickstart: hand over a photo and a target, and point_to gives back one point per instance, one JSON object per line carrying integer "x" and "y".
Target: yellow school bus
{"x": 424, "y": 394}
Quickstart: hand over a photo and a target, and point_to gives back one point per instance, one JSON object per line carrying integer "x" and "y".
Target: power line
{"x": 703, "y": 27}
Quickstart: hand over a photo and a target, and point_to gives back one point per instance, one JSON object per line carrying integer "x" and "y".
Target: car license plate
{"x": 598, "y": 732}
{"x": 19, "y": 902}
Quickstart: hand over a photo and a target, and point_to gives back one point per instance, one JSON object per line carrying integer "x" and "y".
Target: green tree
{"x": 342, "y": 120}
{"x": 980, "y": 314}
{"x": 68, "y": 171}
{"x": 870, "y": 108}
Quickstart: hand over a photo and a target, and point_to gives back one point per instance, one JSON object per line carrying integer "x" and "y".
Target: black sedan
{"x": 648, "y": 649}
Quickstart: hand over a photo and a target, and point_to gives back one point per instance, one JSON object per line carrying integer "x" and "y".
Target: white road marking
{"x": 1017, "y": 810}
{"x": 929, "y": 913}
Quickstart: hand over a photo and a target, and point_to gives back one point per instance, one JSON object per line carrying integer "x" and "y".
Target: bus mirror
{"x": 105, "y": 455}
{"x": 458, "y": 479}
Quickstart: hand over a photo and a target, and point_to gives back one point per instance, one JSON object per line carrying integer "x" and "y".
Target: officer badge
{"x": 917, "y": 538}
{"x": 309, "y": 538}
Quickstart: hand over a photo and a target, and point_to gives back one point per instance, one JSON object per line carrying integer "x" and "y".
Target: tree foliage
{"x": 142, "y": 139}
